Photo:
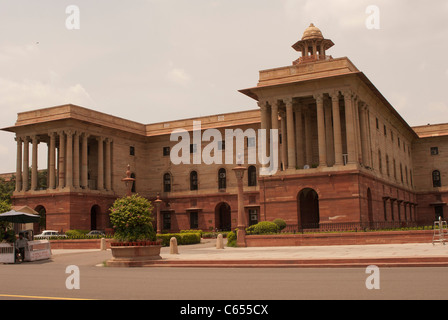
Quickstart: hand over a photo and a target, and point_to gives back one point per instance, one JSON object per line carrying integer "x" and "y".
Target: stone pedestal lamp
{"x": 241, "y": 234}
{"x": 128, "y": 181}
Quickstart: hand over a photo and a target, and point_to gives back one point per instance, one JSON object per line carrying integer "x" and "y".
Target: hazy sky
{"x": 159, "y": 60}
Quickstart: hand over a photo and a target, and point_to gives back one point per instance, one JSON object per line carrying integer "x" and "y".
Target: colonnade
{"x": 396, "y": 209}
{"x": 68, "y": 161}
{"x": 339, "y": 141}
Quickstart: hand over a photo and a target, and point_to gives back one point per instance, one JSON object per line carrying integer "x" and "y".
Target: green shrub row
{"x": 192, "y": 231}
{"x": 214, "y": 235}
{"x": 182, "y": 238}
{"x": 74, "y": 237}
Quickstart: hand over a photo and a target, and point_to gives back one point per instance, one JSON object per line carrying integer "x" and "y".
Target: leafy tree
{"x": 7, "y": 188}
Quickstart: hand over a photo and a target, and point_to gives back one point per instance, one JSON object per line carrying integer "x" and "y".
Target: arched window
{"x": 436, "y": 181}
{"x": 167, "y": 182}
{"x": 193, "y": 180}
{"x": 222, "y": 177}
{"x": 252, "y": 176}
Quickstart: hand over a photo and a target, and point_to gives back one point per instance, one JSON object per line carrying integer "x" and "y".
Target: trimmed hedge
{"x": 263, "y": 227}
{"x": 192, "y": 231}
{"x": 280, "y": 223}
{"x": 183, "y": 238}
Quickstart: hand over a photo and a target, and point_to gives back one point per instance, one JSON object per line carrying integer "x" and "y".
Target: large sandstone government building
{"x": 346, "y": 157}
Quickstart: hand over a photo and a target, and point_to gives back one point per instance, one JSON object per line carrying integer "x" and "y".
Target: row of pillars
{"x": 390, "y": 214}
{"x": 297, "y": 151}
{"x": 72, "y": 161}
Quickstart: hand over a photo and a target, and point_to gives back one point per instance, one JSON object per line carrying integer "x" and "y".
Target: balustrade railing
{"x": 351, "y": 226}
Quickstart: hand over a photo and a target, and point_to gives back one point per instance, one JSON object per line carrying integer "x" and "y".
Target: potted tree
{"x": 134, "y": 235}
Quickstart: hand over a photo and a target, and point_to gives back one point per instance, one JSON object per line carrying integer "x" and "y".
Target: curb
{"x": 306, "y": 263}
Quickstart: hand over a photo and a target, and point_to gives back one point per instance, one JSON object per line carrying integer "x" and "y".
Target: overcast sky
{"x": 159, "y": 60}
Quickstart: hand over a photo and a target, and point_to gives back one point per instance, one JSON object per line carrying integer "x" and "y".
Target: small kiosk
{"x": 34, "y": 250}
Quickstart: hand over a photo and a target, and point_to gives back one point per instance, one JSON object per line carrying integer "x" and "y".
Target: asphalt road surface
{"x": 52, "y": 280}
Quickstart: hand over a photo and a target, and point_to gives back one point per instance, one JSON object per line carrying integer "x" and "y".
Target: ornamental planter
{"x": 134, "y": 254}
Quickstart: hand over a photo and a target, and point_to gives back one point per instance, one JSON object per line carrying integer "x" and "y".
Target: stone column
{"x": 264, "y": 129}
{"x": 358, "y": 129}
{"x": 329, "y": 133}
{"x": 84, "y": 161}
{"x": 363, "y": 131}
{"x": 76, "y": 160}
{"x": 385, "y": 208}
{"x": 291, "y": 134}
{"x": 308, "y": 137}
{"x": 100, "y": 164}
{"x": 19, "y": 165}
{"x": 350, "y": 127}
{"x": 26, "y": 163}
{"x": 52, "y": 161}
{"x": 274, "y": 124}
{"x": 69, "y": 162}
{"x": 35, "y": 143}
{"x": 300, "y": 151}
{"x": 337, "y": 129}
{"x": 61, "y": 155}
{"x": 321, "y": 130}
{"x": 108, "y": 165}
{"x": 284, "y": 141}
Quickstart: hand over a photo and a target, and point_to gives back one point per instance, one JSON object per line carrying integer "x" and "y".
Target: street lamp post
{"x": 159, "y": 219}
{"x": 128, "y": 181}
{"x": 241, "y": 234}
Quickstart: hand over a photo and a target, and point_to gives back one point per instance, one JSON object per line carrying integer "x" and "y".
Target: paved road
{"x": 48, "y": 280}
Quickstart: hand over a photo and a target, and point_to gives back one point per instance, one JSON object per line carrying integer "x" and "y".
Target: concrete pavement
{"x": 205, "y": 254}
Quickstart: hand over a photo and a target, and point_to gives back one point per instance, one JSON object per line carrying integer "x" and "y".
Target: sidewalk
{"x": 206, "y": 254}
{"x": 386, "y": 255}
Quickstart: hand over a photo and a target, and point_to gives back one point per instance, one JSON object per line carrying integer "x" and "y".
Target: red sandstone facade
{"x": 347, "y": 159}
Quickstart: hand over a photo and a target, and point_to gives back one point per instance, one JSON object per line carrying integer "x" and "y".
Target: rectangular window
{"x": 385, "y": 130}
{"x": 193, "y": 148}
{"x": 253, "y": 216}
{"x": 194, "y": 221}
{"x": 166, "y": 221}
{"x": 377, "y": 123}
{"x": 434, "y": 151}
{"x": 166, "y": 151}
{"x": 131, "y": 151}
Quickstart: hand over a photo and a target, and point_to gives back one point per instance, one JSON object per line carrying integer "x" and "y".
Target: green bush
{"x": 231, "y": 239}
{"x": 182, "y": 238}
{"x": 76, "y": 233}
{"x": 263, "y": 227}
{"x": 190, "y": 238}
{"x": 131, "y": 218}
{"x": 280, "y": 223}
{"x": 192, "y": 231}
{"x": 214, "y": 235}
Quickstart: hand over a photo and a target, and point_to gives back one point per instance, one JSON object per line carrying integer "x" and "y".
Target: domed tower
{"x": 313, "y": 46}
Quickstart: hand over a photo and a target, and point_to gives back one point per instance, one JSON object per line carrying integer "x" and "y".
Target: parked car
{"x": 96, "y": 233}
{"x": 47, "y": 234}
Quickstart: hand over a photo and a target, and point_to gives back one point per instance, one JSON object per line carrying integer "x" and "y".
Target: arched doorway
{"x": 42, "y": 225}
{"x": 369, "y": 205}
{"x": 223, "y": 219}
{"x": 95, "y": 213}
{"x": 308, "y": 205}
